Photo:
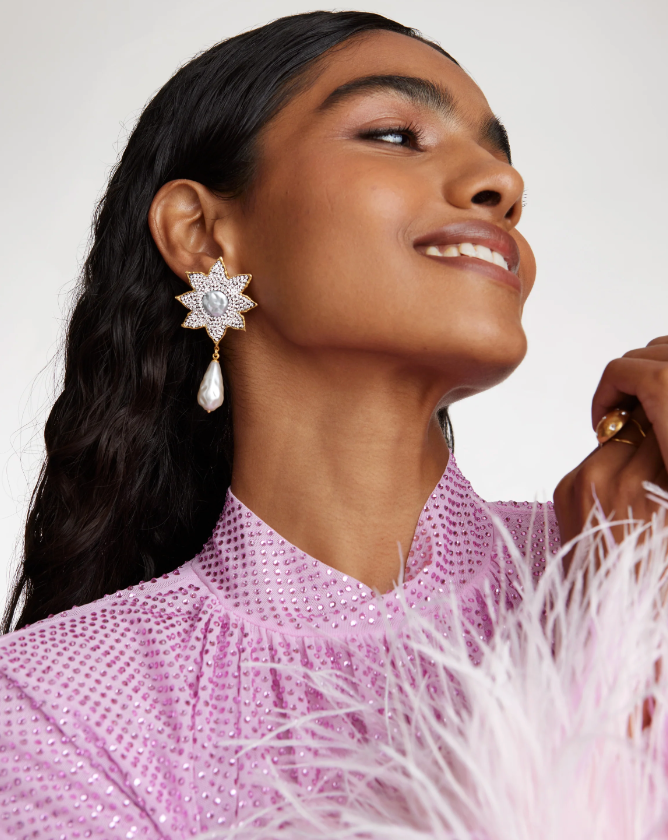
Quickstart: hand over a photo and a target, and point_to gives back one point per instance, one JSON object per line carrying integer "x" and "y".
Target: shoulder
{"x": 535, "y": 516}
{"x": 530, "y": 527}
{"x": 115, "y": 636}
{"x": 521, "y": 521}
{"x": 94, "y": 683}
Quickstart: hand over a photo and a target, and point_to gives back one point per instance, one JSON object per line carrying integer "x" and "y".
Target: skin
{"x": 358, "y": 336}
{"x": 613, "y": 474}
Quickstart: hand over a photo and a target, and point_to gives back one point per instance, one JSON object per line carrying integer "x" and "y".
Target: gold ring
{"x": 611, "y": 423}
{"x": 640, "y": 428}
{"x": 621, "y": 440}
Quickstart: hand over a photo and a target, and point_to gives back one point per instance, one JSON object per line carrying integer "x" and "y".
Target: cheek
{"x": 330, "y": 250}
{"x": 333, "y": 250}
{"x": 527, "y": 272}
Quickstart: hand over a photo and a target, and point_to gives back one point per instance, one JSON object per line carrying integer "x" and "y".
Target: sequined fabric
{"x": 123, "y": 718}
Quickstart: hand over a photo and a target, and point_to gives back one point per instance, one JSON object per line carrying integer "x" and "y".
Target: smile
{"x": 467, "y": 249}
{"x": 474, "y": 245}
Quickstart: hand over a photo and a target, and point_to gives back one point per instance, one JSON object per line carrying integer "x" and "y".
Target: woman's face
{"x": 388, "y": 157}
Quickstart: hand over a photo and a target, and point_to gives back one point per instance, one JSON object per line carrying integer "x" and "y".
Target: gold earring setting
{"x": 216, "y": 303}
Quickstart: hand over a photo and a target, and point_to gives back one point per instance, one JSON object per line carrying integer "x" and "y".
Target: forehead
{"x": 388, "y": 53}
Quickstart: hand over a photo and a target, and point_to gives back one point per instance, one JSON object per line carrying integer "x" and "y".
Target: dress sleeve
{"x": 53, "y": 785}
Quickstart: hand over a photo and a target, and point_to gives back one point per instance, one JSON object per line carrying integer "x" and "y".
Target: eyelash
{"x": 409, "y": 131}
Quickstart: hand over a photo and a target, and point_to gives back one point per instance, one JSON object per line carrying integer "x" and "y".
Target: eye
{"x": 398, "y": 136}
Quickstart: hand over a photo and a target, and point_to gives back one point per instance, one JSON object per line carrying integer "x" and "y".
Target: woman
{"x": 358, "y": 175}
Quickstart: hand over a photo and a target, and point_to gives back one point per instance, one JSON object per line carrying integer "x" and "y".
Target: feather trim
{"x": 558, "y": 732}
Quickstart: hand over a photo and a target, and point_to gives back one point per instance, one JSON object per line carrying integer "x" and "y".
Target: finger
{"x": 620, "y": 486}
{"x": 646, "y": 380}
{"x": 627, "y": 460}
{"x": 638, "y": 414}
{"x": 646, "y": 463}
{"x": 661, "y": 480}
{"x": 648, "y": 456}
{"x": 633, "y": 433}
{"x": 642, "y": 378}
{"x": 656, "y": 352}
{"x": 614, "y": 456}
{"x": 662, "y": 339}
{"x": 638, "y": 426}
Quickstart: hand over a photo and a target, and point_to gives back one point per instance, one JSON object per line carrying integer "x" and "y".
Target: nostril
{"x": 490, "y": 198}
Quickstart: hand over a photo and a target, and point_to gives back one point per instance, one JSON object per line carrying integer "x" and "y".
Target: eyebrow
{"x": 424, "y": 93}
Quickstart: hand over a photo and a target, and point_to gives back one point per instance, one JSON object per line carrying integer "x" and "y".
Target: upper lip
{"x": 477, "y": 233}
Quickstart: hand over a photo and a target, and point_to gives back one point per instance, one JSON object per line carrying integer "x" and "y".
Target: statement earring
{"x": 216, "y": 302}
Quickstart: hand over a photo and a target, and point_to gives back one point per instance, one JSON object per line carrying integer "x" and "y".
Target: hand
{"x": 615, "y": 472}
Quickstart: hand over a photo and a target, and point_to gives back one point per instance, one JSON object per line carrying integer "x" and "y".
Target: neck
{"x": 338, "y": 457}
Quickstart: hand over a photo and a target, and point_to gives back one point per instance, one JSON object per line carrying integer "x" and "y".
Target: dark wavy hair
{"x": 136, "y": 472}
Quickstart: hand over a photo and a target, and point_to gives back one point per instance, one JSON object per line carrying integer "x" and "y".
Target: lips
{"x": 476, "y": 233}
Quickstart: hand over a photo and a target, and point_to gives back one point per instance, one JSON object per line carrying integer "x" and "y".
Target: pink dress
{"x": 119, "y": 717}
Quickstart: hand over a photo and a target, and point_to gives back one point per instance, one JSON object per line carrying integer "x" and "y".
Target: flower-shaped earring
{"x": 216, "y": 302}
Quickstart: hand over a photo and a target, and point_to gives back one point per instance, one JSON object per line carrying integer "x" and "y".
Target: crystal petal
{"x": 194, "y": 320}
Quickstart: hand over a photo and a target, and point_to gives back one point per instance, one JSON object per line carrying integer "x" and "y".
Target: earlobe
{"x": 181, "y": 220}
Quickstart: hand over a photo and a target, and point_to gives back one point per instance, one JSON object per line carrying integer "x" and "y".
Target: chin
{"x": 505, "y": 357}
{"x": 483, "y": 347}
{"x": 477, "y": 367}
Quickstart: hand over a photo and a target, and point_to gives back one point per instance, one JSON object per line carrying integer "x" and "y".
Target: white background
{"x": 581, "y": 87}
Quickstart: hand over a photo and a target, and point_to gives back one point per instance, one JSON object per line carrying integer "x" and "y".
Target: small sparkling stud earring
{"x": 216, "y": 302}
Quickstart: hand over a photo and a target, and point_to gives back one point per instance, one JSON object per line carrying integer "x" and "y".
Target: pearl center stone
{"x": 215, "y": 303}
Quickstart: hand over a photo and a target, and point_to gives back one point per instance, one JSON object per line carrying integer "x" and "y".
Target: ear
{"x": 191, "y": 227}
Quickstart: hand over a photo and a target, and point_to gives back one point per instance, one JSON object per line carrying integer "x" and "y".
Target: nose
{"x": 488, "y": 187}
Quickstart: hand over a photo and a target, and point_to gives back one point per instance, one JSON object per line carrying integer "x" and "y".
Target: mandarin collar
{"x": 260, "y": 576}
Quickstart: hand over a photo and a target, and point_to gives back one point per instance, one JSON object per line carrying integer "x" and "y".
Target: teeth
{"x": 483, "y": 253}
{"x": 498, "y": 260}
{"x": 467, "y": 249}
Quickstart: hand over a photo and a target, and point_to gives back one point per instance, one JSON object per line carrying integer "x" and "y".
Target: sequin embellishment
{"x": 117, "y": 717}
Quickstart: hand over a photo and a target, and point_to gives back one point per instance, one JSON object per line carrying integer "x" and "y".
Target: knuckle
{"x": 610, "y": 368}
{"x": 653, "y": 391}
{"x": 564, "y": 489}
{"x": 627, "y": 496}
{"x": 661, "y": 378}
{"x": 588, "y": 477}
{"x": 594, "y": 478}
{"x": 590, "y": 469}
{"x": 587, "y": 488}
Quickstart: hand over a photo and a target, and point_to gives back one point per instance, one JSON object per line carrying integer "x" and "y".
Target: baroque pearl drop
{"x": 211, "y": 392}
{"x": 215, "y": 303}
